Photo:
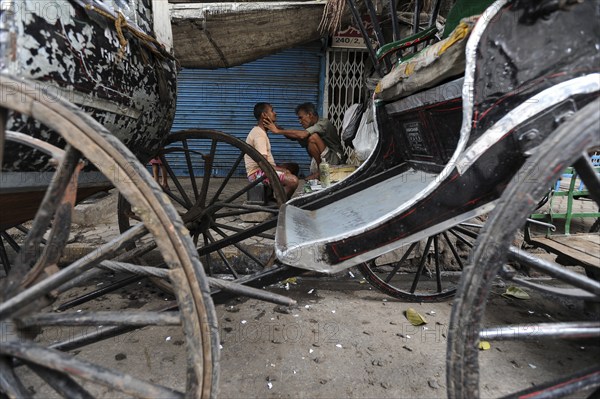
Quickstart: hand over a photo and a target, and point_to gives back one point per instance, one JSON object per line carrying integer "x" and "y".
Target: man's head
{"x": 307, "y": 114}
{"x": 264, "y": 111}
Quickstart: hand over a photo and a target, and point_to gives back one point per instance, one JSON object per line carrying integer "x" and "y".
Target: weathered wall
{"x": 231, "y": 35}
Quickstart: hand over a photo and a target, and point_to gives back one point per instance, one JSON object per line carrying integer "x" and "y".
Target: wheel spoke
{"x": 240, "y": 230}
{"x": 222, "y": 256}
{"x": 226, "y": 180}
{"x": 466, "y": 232}
{"x": 240, "y": 248}
{"x": 54, "y": 194}
{"x": 61, "y": 383}
{"x": 436, "y": 254}
{"x": 239, "y": 193}
{"x": 208, "y": 167}
{"x": 242, "y": 235}
{"x": 421, "y": 265}
{"x": 4, "y": 257}
{"x": 461, "y": 238}
{"x": 184, "y": 200}
{"x": 12, "y": 242}
{"x": 44, "y": 287}
{"x": 64, "y": 363}
{"x": 10, "y": 384}
{"x": 99, "y": 292}
{"x": 244, "y": 210}
{"x": 190, "y": 167}
{"x": 399, "y": 263}
{"x": 207, "y": 259}
{"x": 453, "y": 249}
{"x": 109, "y": 318}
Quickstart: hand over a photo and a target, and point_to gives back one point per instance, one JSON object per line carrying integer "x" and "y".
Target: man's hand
{"x": 268, "y": 123}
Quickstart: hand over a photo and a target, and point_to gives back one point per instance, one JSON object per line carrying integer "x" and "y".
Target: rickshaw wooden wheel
{"x": 428, "y": 270}
{"x": 208, "y": 186}
{"x": 24, "y": 309}
{"x": 470, "y": 324}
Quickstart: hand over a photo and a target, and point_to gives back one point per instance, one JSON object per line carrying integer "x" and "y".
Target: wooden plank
{"x": 581, "y": 249}
{"x": 586, "y": 243}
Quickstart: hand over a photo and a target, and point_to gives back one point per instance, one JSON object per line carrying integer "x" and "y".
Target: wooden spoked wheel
{"x": 30, "y": 289}
{"x": 234, "y": 234}
{"x": 469, "y": 373}
{"x": 427, "y": 270}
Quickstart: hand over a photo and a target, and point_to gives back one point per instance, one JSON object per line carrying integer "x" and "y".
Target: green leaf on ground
{"x": 414, "y": 317}
{"x": 516, "y": 292}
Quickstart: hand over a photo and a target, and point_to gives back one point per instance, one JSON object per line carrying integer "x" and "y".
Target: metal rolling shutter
{"x": 223, "y": 99}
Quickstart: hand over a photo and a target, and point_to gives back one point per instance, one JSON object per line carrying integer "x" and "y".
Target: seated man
{"x": 320, "y": 137}
{"x": 259, "y": 139}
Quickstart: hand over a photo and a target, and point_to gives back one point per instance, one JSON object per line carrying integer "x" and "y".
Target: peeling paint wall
{"x": 72, "y": 51}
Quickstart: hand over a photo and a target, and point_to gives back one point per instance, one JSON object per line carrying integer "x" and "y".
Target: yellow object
{"x": 516, "y": 292}
{"x": 340, "y": 172}
{"x": 459, "y": 33}
{"x": 414, "y": 317}
{"x": 484, "y": 345}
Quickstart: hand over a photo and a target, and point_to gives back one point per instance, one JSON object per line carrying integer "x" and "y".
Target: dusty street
{"x": 343, "y": 339}
{"x": 348, "y": 340}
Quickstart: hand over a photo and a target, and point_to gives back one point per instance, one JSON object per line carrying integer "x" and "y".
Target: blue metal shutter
{"x": 223, "y": 99}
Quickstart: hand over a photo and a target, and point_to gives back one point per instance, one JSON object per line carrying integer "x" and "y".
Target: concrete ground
{"x": 344, "y": 339}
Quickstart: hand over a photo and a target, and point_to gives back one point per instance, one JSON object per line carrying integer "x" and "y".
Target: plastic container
{"x": 324, "y": 174}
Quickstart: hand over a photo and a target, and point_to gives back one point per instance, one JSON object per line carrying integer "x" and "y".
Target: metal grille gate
{"x": 344, "y": 82}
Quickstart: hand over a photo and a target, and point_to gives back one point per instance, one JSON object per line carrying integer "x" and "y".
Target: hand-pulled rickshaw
{"x": 482, "y": 121}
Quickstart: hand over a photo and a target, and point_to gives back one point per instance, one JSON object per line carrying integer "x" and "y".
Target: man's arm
{"x": 291, "y": 134}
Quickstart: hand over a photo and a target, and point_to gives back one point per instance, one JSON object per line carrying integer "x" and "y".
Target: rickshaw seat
{"x": 435, "y": 63}
{"x": 461, "y": 9}
{"x": 432, "y": 65}
{"x": 301, "y": 232}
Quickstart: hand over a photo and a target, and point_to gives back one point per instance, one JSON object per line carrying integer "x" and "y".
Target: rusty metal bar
{"x": 435, "y": 12}
{"x": 264, "y": 278}
{"x": 377, "y": 30}
{"x": 250, "y": 292}
{"x": 62, "y": 383}
{"x": 98, "y": 293}
{"x": 554, "y": 270}
{"x": 10, "y": 384}
{"x": 417, "y": 16}
{"x": 109, "y": 318}
{"x": 101, "y": 334}
{"x": 90, "y": 274}
{"x": 567, "y": 330}
{"x": 65, "y": 363}
{"x": 15, "y": 303}
{"x": 364, "y": 33}
{"x": 394, "y": 18}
